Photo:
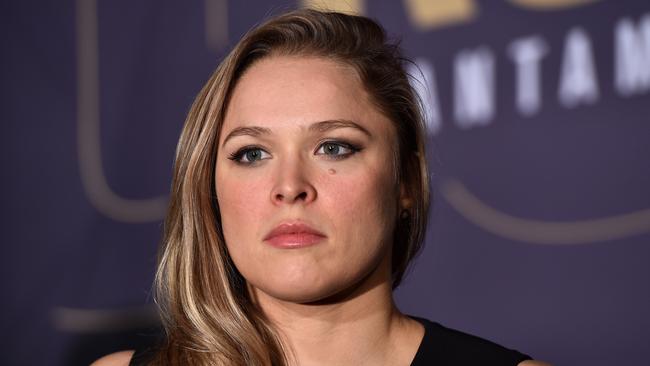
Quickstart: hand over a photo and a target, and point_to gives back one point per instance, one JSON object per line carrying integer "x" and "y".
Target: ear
{"x": 405, "y": 201}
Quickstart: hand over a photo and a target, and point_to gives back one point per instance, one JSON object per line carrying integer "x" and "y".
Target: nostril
{"x": 302, "y": 196}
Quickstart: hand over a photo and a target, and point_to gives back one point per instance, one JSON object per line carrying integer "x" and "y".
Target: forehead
{"x": 294, "y": 91}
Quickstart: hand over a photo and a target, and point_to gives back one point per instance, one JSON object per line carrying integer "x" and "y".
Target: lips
{"x": 293, "y": 235}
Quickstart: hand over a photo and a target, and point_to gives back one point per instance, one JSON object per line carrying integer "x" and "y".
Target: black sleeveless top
{"x": 444, "y": 346}
{"x": 440, "y": 346}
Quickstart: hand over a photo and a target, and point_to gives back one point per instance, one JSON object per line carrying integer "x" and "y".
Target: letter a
{"x": 578, "y": 84}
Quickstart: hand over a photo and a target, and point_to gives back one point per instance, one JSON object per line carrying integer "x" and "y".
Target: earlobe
{"x": 405, "y": 202}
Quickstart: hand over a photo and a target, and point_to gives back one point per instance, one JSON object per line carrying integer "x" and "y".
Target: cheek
{"x": 241, "y": 205}
{"x": 365, "y": 196}
{"x": 360, "y": 208}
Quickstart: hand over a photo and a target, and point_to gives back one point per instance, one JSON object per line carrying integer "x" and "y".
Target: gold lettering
{"x": 343, "y": 6}
{"x": 91, "y": 169}
{"x": 430, "y": 14}
{"x": 541, "y": 5}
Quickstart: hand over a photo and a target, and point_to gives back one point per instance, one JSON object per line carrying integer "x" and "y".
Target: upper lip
{"x": 293, "y": 227}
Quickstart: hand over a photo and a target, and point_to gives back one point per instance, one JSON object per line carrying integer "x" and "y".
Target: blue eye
{"x": 336, "y": 150}
{"x": 249, "y": 155}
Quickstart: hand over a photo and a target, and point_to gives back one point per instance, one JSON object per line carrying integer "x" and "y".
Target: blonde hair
{"x": 207, "y": 314}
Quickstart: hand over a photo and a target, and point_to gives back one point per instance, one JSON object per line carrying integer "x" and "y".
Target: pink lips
{"x": 293, "y": 235}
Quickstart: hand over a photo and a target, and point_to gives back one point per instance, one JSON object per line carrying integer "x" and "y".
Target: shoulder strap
{"x": 446, "y": 346}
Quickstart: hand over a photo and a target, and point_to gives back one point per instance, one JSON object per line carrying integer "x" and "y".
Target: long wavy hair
{"x": 205, "y": 308}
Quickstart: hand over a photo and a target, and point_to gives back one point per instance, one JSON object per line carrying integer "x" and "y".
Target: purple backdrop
{"x": 539, "y": 144}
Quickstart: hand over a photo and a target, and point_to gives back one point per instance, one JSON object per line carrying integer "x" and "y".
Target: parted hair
{"x": 207, "y": 314}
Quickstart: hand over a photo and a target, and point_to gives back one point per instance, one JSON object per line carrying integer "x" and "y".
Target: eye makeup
{"x": 331, "y": 149}
{"x": 337, "y": 149}
{"x": 252, "y": 153}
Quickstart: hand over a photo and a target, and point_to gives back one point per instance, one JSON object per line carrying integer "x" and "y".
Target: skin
{"x": 331, "y": 302}
{"x": 346, "y": 196}
{"x": 338, "y": 291}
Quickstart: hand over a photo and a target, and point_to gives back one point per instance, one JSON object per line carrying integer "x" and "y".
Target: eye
{"x": 336, "y": 150}
{"x": 249, "y": 155}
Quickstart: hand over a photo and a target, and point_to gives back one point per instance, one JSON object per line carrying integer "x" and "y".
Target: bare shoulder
{"x": 121, "y": 358}
{"x": 533, "y": 363}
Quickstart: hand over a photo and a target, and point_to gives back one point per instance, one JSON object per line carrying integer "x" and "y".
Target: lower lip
{"x": 294, "y": 241}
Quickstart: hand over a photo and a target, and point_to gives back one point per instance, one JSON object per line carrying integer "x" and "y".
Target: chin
{"x": 299, "y": 296}
{"x": 301, "y": 289}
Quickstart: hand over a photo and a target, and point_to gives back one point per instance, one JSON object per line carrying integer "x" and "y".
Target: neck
{"x": 361, "y": 326}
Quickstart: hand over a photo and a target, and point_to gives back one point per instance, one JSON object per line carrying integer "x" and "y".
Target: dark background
{"x": 538, "y": 237}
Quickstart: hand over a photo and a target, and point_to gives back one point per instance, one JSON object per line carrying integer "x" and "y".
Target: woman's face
{"x": 305, "y": 180}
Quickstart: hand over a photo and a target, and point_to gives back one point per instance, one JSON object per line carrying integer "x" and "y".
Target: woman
{"x": 300, "y": 196}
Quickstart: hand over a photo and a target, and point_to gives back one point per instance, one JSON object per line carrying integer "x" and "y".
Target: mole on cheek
{"x": 331, "y": 171}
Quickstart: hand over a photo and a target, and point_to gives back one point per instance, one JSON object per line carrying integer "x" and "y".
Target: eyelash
{"x": 239, "y": 154}
{"x": 346, "y": 145}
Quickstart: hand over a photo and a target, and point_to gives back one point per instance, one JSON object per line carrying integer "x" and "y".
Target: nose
{"x": 293, "y": 184}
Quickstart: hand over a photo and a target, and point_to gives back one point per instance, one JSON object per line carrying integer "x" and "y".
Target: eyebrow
{"x": 246, "y": 131}
{"x": 322, "y": 126}
{"x": 329, "y": 125}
